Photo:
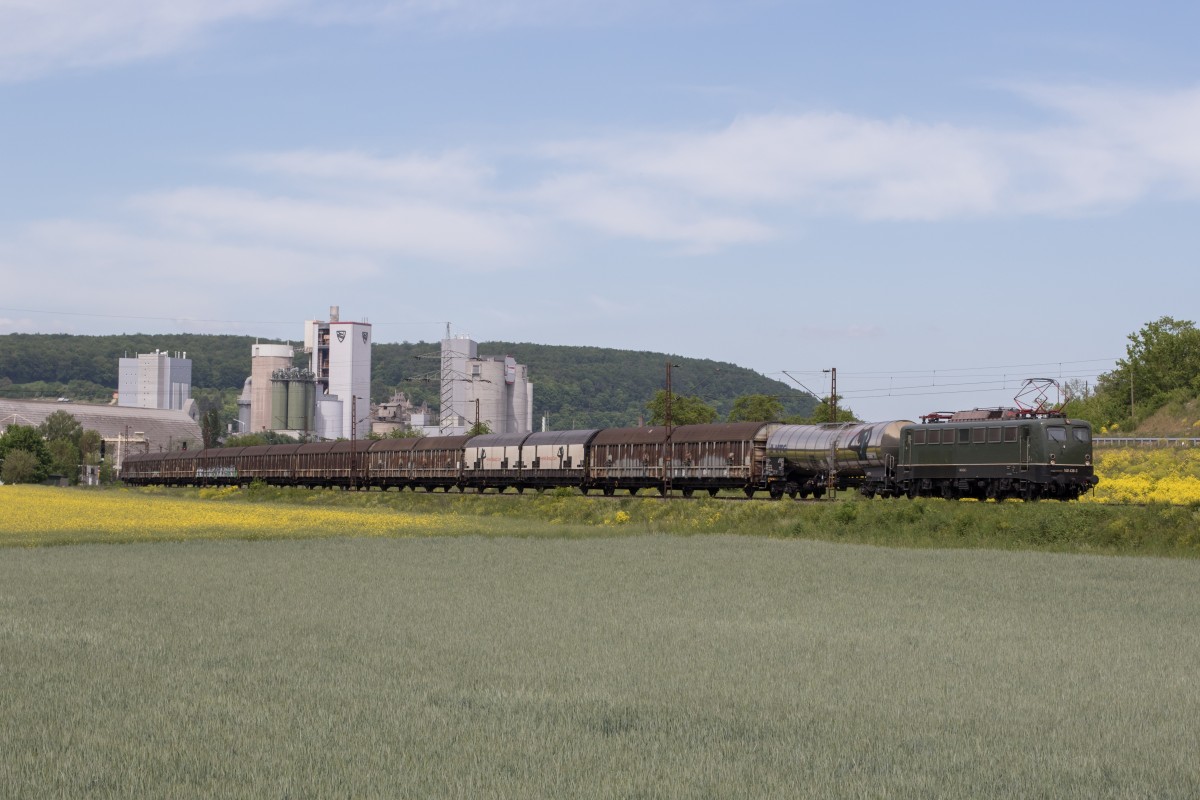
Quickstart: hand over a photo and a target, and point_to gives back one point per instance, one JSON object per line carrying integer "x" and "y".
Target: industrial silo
{"x": 279, "y": 403}
{"x": 298, "y": 410}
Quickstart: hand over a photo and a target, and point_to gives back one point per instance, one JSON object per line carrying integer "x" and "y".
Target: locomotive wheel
{"x": 632, "y": 490}
{"x": 713, "y": 492}
{"x": 749, "y": 491}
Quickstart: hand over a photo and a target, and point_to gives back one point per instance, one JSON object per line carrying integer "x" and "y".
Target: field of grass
{"x": 636, "y": 666}
{"x": 35, "y": 515}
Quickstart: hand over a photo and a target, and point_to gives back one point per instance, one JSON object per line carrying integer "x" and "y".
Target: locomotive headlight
{"x": 1087, "y": 460}
{"x": 1053, "y": 459}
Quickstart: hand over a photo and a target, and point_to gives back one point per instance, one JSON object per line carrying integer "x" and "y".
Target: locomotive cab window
{"x": 919, "y": 437}
{"x": 1010, "y": 434}
{"x": 1082, "y": 434}
{"x": 1056, "y": 433}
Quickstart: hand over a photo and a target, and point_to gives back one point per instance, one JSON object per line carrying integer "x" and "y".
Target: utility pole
{"x": 1132, "y": 414}
{"x": 354, "y": 440}
{"x": 833, "y": 393}
{"x": 667, "y": 449}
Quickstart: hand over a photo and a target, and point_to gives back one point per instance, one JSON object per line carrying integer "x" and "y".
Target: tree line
{"x": 574, "y": 387}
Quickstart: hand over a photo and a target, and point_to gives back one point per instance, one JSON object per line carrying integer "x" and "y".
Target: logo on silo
{"x": 341, "y": 336}
{"x": 364, "y": 333}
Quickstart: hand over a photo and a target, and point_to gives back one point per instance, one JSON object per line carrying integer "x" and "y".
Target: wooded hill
{"x": 576, "y": 387}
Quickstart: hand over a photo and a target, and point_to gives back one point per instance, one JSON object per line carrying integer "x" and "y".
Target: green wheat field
{"x": 635, "y": 666}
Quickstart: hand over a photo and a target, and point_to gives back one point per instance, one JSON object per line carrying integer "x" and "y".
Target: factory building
{"x": 124, "y": 430}
{"x": 154, "y": 380}
{"x": 265, "y": 360}
{"x": 340, "y": 360}
{"x": 491, "y": 389}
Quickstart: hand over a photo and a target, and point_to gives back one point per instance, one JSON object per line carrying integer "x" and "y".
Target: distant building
{"x": 340, "y": 359}
{"x": 154, "y": 380}
{"x": 265, "y": 359}
{"x": 124, "y": 430}
{"x": 399, "y": 414}
{"x": 491, "y": 389}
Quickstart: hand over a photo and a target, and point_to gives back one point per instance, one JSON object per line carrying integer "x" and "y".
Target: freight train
{"x": 982, "y": 454}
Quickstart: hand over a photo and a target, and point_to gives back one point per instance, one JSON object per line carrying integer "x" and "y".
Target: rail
{"x": 1145, "y": 441}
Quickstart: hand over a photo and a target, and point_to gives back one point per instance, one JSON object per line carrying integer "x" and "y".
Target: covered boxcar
{"x": 493, "y": 460}
{"x": 556, "y": 458}
{"x": 389, "y": 463}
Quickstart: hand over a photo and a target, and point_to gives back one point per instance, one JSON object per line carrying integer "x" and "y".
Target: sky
{"x": 936, "y": 199}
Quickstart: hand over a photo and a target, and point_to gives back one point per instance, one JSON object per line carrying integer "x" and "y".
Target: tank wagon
{"x": 811, "y": 459}
{"x": 996, "y": 453}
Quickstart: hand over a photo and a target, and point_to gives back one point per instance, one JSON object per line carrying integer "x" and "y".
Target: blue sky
{"x": 937, "y": 199}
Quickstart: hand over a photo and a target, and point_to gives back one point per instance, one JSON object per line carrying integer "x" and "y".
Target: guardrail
{"x": 1144, "y": 441}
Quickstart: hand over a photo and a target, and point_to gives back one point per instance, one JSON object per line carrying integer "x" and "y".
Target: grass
{"x": 638, "y": 666}
{"x": 36, "y": 516}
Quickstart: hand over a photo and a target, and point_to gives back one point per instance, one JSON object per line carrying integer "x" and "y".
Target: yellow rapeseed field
{"x": 35, "y": 515}
{"x": 1149, "y": 475}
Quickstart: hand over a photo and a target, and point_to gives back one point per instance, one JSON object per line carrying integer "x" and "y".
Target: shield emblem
{"x": 341, "y": 336}
{"x": 364, "y": 333}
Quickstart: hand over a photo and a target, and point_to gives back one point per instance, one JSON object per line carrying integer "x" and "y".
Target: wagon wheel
{"x": 713, "y": 492}
{"x": 632, "y": 490}
{"x": 749, "y": 490}
{"x": 688, "y": 492}
{"x": 609, "y": 491}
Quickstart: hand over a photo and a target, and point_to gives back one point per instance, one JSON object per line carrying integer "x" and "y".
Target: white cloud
{"x": 390, "y": 228}
{"x": 1106, "y": 150}
{"x": 457, "y": 173}
{"x": 43, "y": 36}
{"x": 39, "y": 36}
{"x": 629, "y": 210}
{"x": 693, "y": 192}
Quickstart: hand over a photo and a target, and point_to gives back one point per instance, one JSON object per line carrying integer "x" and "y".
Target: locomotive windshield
{"x": 1082, "y": 434}
{"x": 1056, "y": 433}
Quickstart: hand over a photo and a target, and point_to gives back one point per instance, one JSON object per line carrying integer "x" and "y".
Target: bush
{"x": 21, "y": 466}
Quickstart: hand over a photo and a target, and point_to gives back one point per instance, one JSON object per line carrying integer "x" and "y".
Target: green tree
{"x": 685, "y": 409}
{"x": 28, "y": 439}
{"x": 64, "y": 459}
{"x": 479, "y": 428}
{"x": 210, "y": 427}
{"x": 756, "y": 408}
{"x": 61, "y": 426}
{"x": 89, "y": 446}
{"x": 262, "y": 437}
{"x": 824, "y": 413}
{"x": 21, "y": 466}
{"x": 1162, "y": 362}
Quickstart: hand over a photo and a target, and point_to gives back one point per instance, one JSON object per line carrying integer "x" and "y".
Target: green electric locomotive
{"x": 991, "y": 454}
